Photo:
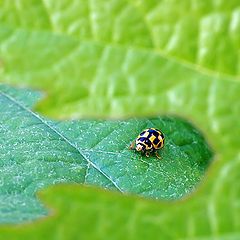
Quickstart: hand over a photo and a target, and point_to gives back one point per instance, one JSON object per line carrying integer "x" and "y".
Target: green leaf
{"x": 188, "y": 65}
{"x": 188, "y": 31}
{"x": 88, "y": 71}
{"x": 36, "y": 152}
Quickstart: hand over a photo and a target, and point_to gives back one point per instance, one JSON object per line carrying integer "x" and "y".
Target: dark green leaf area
{"x": 184, "y": 157}
{"x": 36, "y": 152}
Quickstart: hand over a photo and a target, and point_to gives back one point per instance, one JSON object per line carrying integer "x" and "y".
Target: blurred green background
{"x": 121, "y": 59}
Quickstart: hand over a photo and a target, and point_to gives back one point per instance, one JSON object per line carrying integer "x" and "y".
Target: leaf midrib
{"x": 61, "y": 136}
{"x": 192, "y": 66}
{"x": 154, "y": 49}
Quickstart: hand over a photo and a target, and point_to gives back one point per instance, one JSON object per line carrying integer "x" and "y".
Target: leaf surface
{"x": 175, "y": 57}
{"x": 90, "y": 67}
{"x": 36, "y": 152}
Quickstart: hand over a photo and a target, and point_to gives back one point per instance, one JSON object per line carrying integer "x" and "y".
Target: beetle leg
{"x": 157, "y": 155}
{"x": 147, "y": 154}
{"x": 132, "y": 145}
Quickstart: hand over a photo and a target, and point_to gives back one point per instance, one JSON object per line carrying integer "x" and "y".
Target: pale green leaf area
{"x": 189, "y": 30}
{"x": 36, "y": 152}
{"x": 93, "y": 59}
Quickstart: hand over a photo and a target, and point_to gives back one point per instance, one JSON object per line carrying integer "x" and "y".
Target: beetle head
{"x": 139, "y": 147}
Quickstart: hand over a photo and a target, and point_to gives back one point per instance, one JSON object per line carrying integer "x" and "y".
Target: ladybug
{"x": 149, "y": 141}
